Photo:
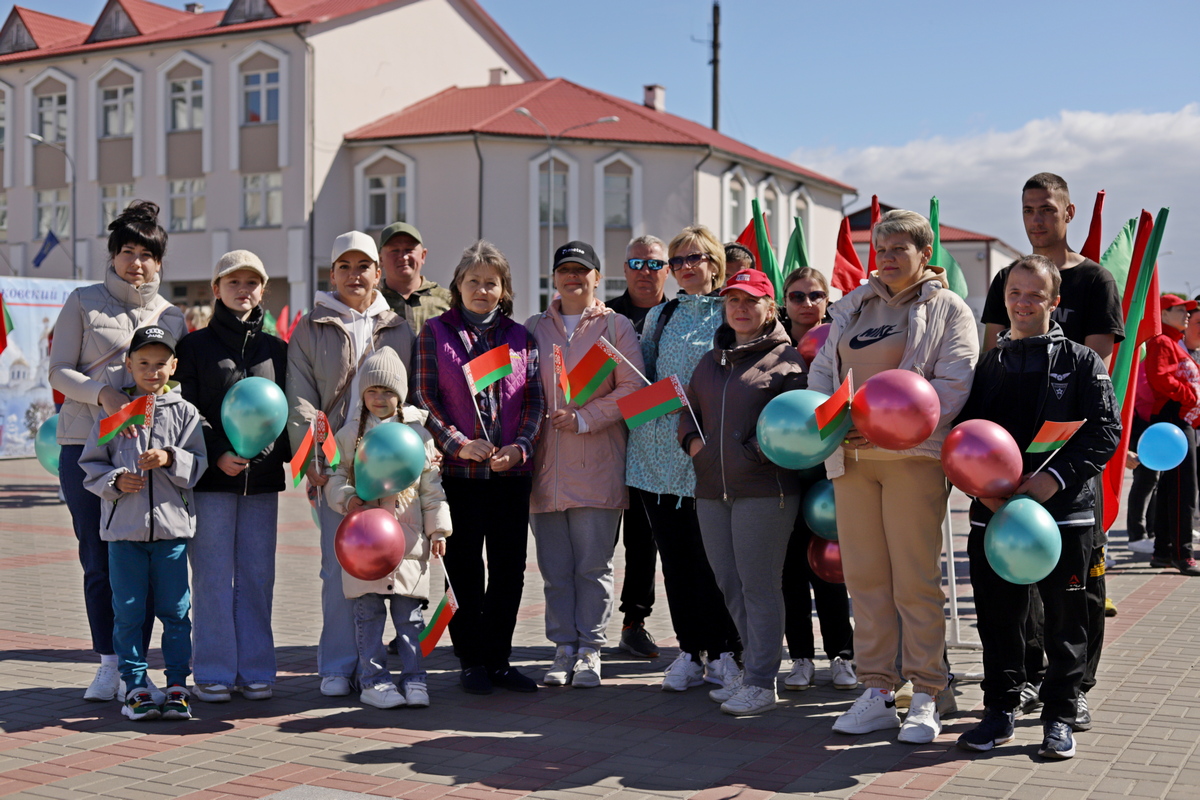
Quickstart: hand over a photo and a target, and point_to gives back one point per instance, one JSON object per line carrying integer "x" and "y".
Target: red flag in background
{"x": 848, "y": 271}
{"x": 1092, "y": 247}
{"x": 749, "y": 239}
{"x": 874, "y": 218}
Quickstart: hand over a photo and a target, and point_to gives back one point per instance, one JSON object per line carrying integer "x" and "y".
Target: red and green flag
{"x": 654, "y": 401}
{"x": 848, "y": 273}
{"x": 488, "y": 368}
{"x": 941, "y": 257}
{"x": 1053, "y": 435}
{"x": 137, "y": 412}
{"x": 437, "y": 623}
{"x": 831, "y": 413}
{"x": 596, "y": 365}
{"x": 1091, "y": 248}
{"x": 560, "y": 373}
{"x": 6, "y": 324}
{"x": 303, "y": 456}
{"x": 326, "y": 439}
{"x": 754, "y": 237}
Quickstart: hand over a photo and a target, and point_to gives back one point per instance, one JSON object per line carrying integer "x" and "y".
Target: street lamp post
{"x": 550, "y": 140}
{"x": 70, "y": 162}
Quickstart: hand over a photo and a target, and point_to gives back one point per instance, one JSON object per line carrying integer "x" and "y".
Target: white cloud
{"x": 1143, "y": 160}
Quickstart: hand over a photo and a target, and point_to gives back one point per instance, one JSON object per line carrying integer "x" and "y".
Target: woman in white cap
{"x": 329, "y": 343}
{"x": 237, "y": 499}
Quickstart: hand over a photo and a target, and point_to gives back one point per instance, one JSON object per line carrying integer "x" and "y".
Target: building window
{"x": 260, "y": 97}
{"x": 559, "y": 196}
{"x": 3, "y": 216}
{"x": 187, "y": 104}
{"x": 52, "y": 117}
{"x": 187, "y": 205}
{"x": 618, "y": 191}
{"x": 113, "y": 199}
{"x": 387, "y": 200}
{"x": 737, "y": 207}
{"x": 53, "y": 212}
{"x": 262, "y": 200}
{"x": 116, "y": 111}
{"x": 3, "y": 118}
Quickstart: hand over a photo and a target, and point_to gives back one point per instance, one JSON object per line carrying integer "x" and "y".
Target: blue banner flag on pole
{"x": 48, "y": 244}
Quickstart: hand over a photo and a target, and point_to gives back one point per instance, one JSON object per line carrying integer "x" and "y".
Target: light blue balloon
{"x": 1022, "y": 541}
{"x": 1162, "y": 447}
{"x": 788, "y": 434}
{"x": 253, "y": 413}
{"x": 45, "y": 445}
{"x": 819, "y": 510}
{"x": 389, "y": 460}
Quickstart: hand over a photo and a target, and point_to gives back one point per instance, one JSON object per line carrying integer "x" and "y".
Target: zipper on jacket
{"x": 112, "y": 513}
{"x": 721, "y": 431}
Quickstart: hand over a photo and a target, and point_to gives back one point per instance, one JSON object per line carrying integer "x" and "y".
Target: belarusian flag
{"x": 488, "y": 368}
{"x": 848, "y": 272}
{"x": 303, "y": 457}
{"x": 1119, "y": 255}
{"x": 833, "y": 411}
{"x": 1053, "y": 435}
{"x": 560, "y": 373}
{"x": 874, "y": 219}
{"x": 6, "y": 325}
{"x": 652, "y": 402}
{"x": 136, "y": 412}
{"x": 437, "y": 623}
{"x": 596, "y": 365}
{"x": 325, "y": 438}
{"x": 1091, "y": 248}
{"x": 942, "y": 258}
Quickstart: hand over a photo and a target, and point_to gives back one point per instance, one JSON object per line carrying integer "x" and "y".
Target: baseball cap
{"x": 751, "y": 281}
{"x": 576, "y": 253}
{"x": 397, "y": 228}
{"x": 239, "y": 259}
{"x": 1171, "y": 300}
{"x": 354, "y": 240}
{"x": 151, "y": 334}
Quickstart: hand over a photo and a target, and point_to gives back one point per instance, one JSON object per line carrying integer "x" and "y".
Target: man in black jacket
{"x": 1036, "y": 374}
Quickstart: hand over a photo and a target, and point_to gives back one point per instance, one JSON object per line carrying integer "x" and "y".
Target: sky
{"x": 907, "y": 100}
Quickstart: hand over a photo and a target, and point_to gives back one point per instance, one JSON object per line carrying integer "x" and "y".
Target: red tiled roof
{"x": 949, "y": 234}
{"x": 49, "y": 31}
{"x": 151, "y": 17}
{"x": 561, "y": 104}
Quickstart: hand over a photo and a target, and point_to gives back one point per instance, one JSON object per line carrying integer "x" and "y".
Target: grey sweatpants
{"x": 575, "y": 556}
{"x": 746, "y": 541}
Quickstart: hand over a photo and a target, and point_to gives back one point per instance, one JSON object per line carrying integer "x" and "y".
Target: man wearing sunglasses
{"x": 645, "y": 277}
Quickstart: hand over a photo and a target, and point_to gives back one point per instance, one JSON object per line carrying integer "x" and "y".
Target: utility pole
{"x": 716, "y": 66}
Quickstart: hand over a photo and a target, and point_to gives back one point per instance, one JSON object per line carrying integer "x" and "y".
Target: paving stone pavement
{"x": 624, "y": 740}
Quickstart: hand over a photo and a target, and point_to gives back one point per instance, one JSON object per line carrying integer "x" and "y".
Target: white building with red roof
{"x": 275, "y": 125}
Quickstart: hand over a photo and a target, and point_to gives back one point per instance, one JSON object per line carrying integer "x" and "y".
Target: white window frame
{"x": 779, "y": 220}
{"x": 264, "y": 194}
{"x": 729, "y": 226}
{"x": 235, "y": 98}
{"x": 637, "y": 222}
{"x": 122, "y": 105}
{"x": 164, "y": 119}
{"x": 58, "y": 108}
{"x": 263, "y": 90}
{"x": 801, "y": 193}
{"x": 32, "y": 118}
{"x": 9, "y": 102}
{"x": 123, "y": 197}
{"x": 193, "y": 189}
{"x": 361, "y": 210}
{"x": 540, "y": 261}
{"x": 61, "y": 205}
{"x": 94, "y": 121}
{"x": 189, "y": 95}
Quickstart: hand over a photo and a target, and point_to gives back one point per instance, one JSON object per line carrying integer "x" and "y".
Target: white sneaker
{"x": 843, "y": 673}
{"x": 723, "y": 669}
{"x": 335, "y": 686}
{"x": 559, "y": 673}
{"x": 801, "y": 676}
{"x": 750, "y": 700}
{"x": 1142, "y": 546}
{"x": 731, "y": 687}
{"x": 211, "y": 692}
{"x": 922, "y": 724}
{"x": 156, "y": 694}
{"x": 105, "y": 685}
{"x": 587, "y": 669}
{"x": 257, "y": 691}
{"x": 874, "y": 710}
{"x": 416, "y": 694}
{"x": 682, "y": 675}
{"x": 382, "y": 695}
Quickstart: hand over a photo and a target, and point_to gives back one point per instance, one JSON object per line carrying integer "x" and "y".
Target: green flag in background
{"x": 941, "y": 258}
{"x": 1118, "y": 255}
{"x": 766, "y": 254}
{"x": 797, "y": 251}
{"x": 269, "y": 323}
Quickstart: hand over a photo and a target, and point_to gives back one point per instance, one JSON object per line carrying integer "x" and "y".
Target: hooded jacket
{"x": 164, "y": 509}
{"x": 98, "y": 321}
{"x": 942, "y": 347}
{"x": 728, "y": 390}
{"x": 1062, "y": 381}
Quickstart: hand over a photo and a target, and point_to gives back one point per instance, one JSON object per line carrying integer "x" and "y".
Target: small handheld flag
{"x": 560, "y": 371}
{"x": 654, "y": 401}
{"x": 488, "y": 368}
{"x": 1053, "y": 435}
{"x": 327, "y": 441}
{"x": 303, "y": 456}
{"x": 437, "y": 623}
{"x": 596, "y": 365}
{"x": 138, "y": 412}
{"x": 831, "y": 412}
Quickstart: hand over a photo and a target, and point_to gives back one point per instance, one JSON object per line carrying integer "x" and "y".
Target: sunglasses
{"x": 652, "y": 264}
{"x": 692, "y": 260}
{"x": 812, "y": 297}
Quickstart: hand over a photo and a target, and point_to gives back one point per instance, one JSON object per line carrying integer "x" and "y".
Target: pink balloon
{"x": 370, "y": 543}
{"x": 825, "y": 558}
{"x": 811, "y": 342}
{"x": 896, "y": 409}
{"x": 982, "y": 459}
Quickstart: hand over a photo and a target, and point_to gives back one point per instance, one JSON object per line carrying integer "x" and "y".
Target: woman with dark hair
{"x": 87, "y": 366}
{"x": 488, "y": 439}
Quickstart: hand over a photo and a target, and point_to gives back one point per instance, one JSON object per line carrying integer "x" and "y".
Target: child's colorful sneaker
{"x": 177, "y": 705}
{"x": 139, "y": 705}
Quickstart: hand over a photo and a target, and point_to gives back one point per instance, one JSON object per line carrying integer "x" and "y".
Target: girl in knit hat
{"x": 425, "y": 516}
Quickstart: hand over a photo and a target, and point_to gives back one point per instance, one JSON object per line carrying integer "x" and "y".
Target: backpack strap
{"x": 660, "y": 324}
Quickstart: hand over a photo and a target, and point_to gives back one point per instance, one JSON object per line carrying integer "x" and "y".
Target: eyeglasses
{"x": 692, "y": 260}
{"x": 812, "y": 297}
{"x": 652, "y": 264}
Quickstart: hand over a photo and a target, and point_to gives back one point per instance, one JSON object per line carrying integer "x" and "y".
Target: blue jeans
{"x": 233, "y": 580}
{"x": 134, "y": 569}
{"x": 337, "y": 650}
{"x": 93, "y": 553}
{"x": 370, "y": 614}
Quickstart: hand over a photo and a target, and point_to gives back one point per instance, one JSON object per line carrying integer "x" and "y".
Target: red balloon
{"x": 982, "y": 459}
{"x": 896, "y": 409}
{"x": 825, "y": 558}
{"x": 370, "y": 543}
{"x": 811, "y": 342}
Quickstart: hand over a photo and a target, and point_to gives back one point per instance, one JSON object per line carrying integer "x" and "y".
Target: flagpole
{"x": 626, "y": 360}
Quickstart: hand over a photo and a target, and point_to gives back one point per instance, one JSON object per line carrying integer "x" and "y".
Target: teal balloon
{"x": 1022, "y": 541}
{"x": 788, "y": 434}
{"x": 253, "y": 413}
{"x": 389, "y": 460}
{"x": 819, "y": 510}
{"x": 1162, "y": 447}
{"x": 46, "y": 446}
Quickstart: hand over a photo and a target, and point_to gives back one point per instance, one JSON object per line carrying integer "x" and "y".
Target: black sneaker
{"x": 995, "y": 728}
{"x": 475, "y": 680}
{"x": 1083, "y": 717}
{"x": 177, "y": 703}
{"x": 636, "y": 641}
{"x": 1160, "y": 563}
{"x": 1030, "y": 701}
{"x": 513, "y": 679}
{"x": 1186, "y": 566}
{"x": 1058, "y": 741}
